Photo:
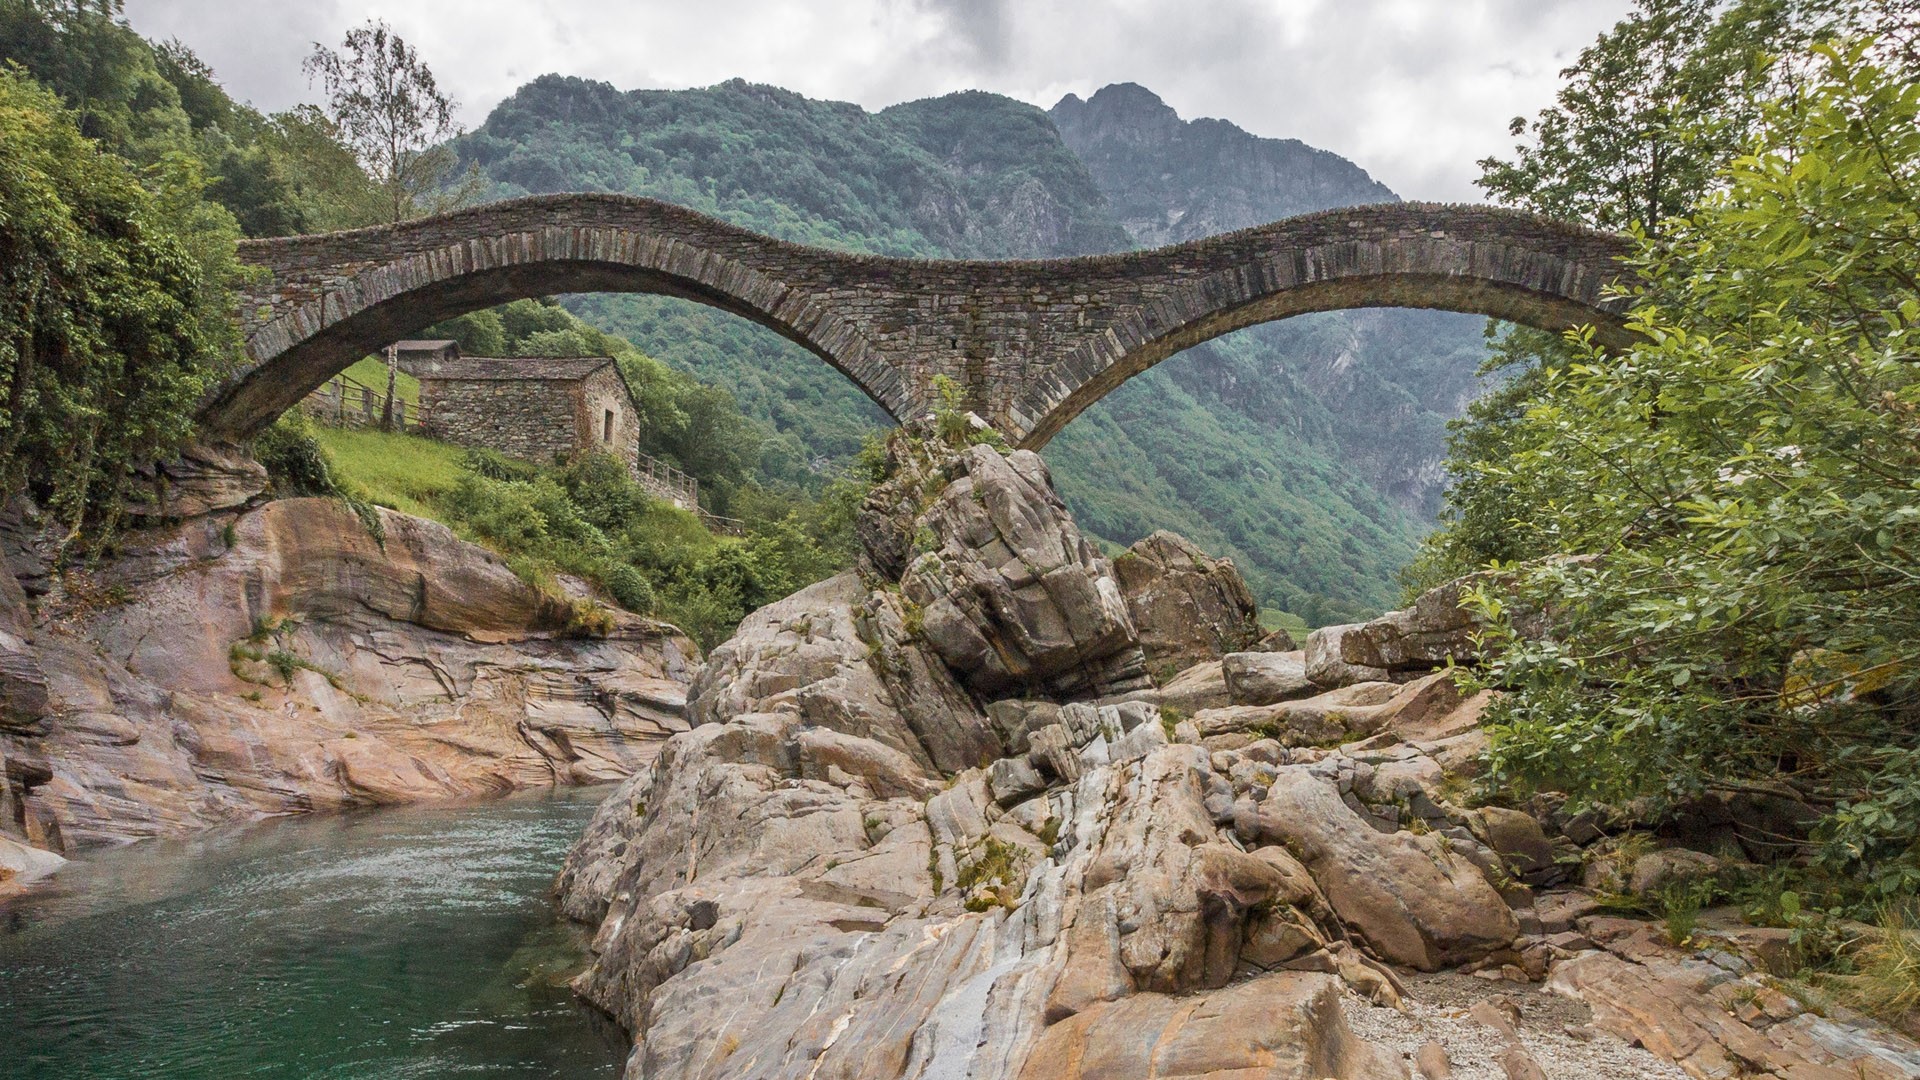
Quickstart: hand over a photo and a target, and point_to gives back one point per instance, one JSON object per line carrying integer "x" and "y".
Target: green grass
{"x": 371, "y": 372}
{"x": 1274, "y": 619}
{"x": 401, "y": 472}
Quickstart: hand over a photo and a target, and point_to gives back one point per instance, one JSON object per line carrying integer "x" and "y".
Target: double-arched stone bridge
{"x": 1031, "y": 342}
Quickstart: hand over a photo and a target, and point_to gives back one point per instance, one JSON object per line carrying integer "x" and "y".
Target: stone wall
{"x": 537, "y": 420}
{"x": 1032, "y": 342}
{"x": 605, "y": 392}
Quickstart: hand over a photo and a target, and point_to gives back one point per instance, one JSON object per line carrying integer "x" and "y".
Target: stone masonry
{"x": 1031, "y": 342}
{"x": 537, "y": 409}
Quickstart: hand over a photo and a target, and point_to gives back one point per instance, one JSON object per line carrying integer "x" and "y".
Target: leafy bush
{"x": 1742, "y": 484}
{"x": 295, "y": 461}
{"x": 114, "y": 309}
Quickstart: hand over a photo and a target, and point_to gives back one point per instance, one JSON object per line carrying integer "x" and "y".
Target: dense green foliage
{"x": 1743, "y": 485}
{"x": 587, "y": 518}
{"x": 114, "y": 309}
{"x": 1317, "y": 436}
{"x": 1649, "y": 118}
{"x": 276, "y": 175}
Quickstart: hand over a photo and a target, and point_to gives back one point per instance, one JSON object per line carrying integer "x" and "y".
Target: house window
{"x": 606, "y": 427}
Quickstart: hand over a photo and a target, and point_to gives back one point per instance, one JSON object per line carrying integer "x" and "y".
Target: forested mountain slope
{"x": 1308, "y": 450}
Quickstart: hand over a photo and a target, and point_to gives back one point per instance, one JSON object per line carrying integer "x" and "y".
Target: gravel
{"x": 1555, "y": 1030}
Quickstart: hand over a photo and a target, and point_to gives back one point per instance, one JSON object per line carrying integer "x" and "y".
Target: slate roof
{"x": 517, "y": 368}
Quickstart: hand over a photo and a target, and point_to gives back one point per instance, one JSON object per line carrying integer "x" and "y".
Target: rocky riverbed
{"x": 298, "y": 656}
{"x": 956, "y": 814}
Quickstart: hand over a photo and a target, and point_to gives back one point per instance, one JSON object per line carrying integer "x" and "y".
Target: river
{"x": 408, "y": 943}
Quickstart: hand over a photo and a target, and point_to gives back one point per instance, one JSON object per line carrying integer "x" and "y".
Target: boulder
{"x": 1350, "y": 712}
{"x": 1187, "y": 607}
{"x": 1281, "y": 1026}
{"x": 1431, "y": 631}
{"x": 1009, "y": 594}
{"x": 1325, "y": 661}
{"x": 1412, "y": 899}
{"x": 1263, "y": 678}
{"x": 1202, "y": 686}
{"x": 838, "y": 656}
{"x": 1657, "y": 871}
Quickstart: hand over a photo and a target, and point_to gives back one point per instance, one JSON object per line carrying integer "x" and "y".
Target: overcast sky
{"x": 1413, "y": 90}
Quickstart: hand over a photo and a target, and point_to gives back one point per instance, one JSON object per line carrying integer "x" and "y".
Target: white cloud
{"x": 1413, "y": 90}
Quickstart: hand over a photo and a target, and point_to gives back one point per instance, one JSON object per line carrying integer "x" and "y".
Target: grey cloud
{"x": 1413, "y": 90}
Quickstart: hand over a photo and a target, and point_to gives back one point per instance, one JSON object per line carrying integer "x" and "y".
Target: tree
{"x": 115, "y": 310}
{"x": 1745, "y": 609}
{"x": 1643, "y": 129}
{"x": 390, "y": 112}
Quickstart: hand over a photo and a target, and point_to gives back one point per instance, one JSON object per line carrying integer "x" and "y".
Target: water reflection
{"x": 415, "y": 942}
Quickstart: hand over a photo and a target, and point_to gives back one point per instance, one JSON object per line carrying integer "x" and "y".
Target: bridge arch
{"x": 1032, "y": 343}
{"x": 328, "y": 300}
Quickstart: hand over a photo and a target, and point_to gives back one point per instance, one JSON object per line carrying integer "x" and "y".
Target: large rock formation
{"x": 850, "y": 868}
{"x": 1188, "y": 608}
{"x": 296, "y": 657}
{"x": 890, "y": 850}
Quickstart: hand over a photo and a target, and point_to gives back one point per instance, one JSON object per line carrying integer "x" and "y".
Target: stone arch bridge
{"x": 1031, "y": 342}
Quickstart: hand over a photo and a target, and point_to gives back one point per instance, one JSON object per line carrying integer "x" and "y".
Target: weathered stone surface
{"x": 1434, "y": 629}
{"x": 1187, "y": 607}
{"x": 1351, "y": 712}
{"x": 1012, "y": 597}
{"x": 298, "y": 663}
{"x": 200, "y": 480}
{"x": 1414, "y": 901}
{"x": 1263, "y": 678}
{"x": 21, "y": 865}
{"x": 1201, "y": 686}
{"x": 1284, "y": 1026}
{"x": 1326, "y": 664}
{"x": 838, "y": 656}
{"x": 1517, "y": 837}
{"x": 1657, "y": 871}
{"x": 1060, "y": 333}
{"x": 1716, "y": 1025}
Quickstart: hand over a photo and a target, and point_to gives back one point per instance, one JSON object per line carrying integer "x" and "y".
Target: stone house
{"x": 538, "y": 409}
{"x": 411, "y": 356}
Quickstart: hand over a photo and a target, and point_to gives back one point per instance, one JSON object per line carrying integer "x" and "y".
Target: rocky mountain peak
{"x": 1171, "y": 180}
{"x": 1119, "y": 112}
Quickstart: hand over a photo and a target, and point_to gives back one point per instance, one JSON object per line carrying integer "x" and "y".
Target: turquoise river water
{"x": 405, "y": 943}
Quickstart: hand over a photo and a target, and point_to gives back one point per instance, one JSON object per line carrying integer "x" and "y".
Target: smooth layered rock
{"x": 1412, "y": 899}
{"x": 1434, "y": 629}
{"x": 1351, "y": 712}
{"x": 1276, "y": 1027}
{"x": 1326, "y": 663}
{"x": 838, "y": 655}
{"x": 1187, "y": 607}
{"x": 292, "y": 658}
{"x": 1263, "y": 678}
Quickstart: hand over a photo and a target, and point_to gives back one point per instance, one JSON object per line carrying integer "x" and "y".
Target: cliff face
{"x": 294, "y": 657}
{"x": 1167, "y": 180}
